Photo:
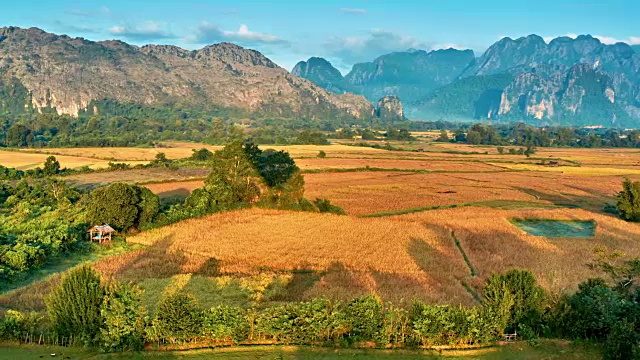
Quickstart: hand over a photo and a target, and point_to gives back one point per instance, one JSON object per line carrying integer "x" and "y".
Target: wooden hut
{"x": 101, "y": 233}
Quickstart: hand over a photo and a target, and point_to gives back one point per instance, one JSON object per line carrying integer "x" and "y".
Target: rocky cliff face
{"x": 322, "y": 73}
{"x": 67, "y": 74}
{"x": 390, "y": 108}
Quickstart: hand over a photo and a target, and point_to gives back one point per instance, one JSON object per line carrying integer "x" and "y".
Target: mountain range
{"x": 40, "y": 70}
{"x": 567, "y": 81}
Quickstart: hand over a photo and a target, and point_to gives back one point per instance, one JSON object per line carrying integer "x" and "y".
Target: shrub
{"x": 178, "y": 319}
{"x": 528, "y": 297}
{"x": 325, "y": 206}
{"x": 629, "y": 201}
{"x": 364, "y": 316}
{"x": 74, "y": 306}
{"x": 321, "y": 154}
{"x": 17, "y": 325}
{"x": 593, "y": 311}
{"x": 124, "y": 318}
{"x": 51, "y": 166}
{"x": 623, "y": 343}
{"x": 225, "y": 324}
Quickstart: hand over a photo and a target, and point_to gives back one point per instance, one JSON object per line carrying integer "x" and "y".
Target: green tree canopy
{"x": 629, "y": 201}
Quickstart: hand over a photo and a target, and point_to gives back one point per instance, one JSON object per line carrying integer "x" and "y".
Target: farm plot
{"x": 25, "y": 160}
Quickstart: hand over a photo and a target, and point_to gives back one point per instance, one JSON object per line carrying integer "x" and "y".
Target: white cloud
{"x": 354, "y": 49}
{"x": 210, "y": 33}
{"x": 147, "y": 31}
{"x": 354, "y": 11}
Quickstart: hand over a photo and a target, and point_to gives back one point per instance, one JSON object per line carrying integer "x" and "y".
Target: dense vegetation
{"x": 114, "y": 319}
{"x": 42, "y": 219}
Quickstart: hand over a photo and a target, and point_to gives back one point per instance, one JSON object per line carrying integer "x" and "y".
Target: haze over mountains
{"x": 567, "y": 81}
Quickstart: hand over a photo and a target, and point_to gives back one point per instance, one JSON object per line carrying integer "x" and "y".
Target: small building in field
{"x": 101, "y": 233}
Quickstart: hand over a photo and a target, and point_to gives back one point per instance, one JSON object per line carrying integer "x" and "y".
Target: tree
{"x": 148, "y": 206}
{"x": 628, "y": 201}
{"x": 201, "y": 155}
{"x": 51, "y": 166}
{"x": 74, "y": 306}
{"x": 124, "y": 318}
{"x": 321, "y": 154}
{"x": 474, "y": 137}
{"x": 444, "y": 136}
{"x": 18, "y": 135}
{"x": 528, "y": 297}
{"x": 116, "y": 205}
{"x": 233, "y": 180}
{"x": 275, "y": 167}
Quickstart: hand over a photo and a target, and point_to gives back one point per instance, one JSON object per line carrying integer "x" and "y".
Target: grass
{"x": 556, "y": 228}
{"x": 548, "y": 349}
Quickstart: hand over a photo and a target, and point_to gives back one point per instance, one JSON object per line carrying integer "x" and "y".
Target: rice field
{"x": 27, "y": 160}
{"x": 426, "y": 201}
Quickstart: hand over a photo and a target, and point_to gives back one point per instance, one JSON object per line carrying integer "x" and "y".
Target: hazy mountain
{"x": 321, "y": 72}
{"x": 69, "y": 73}
{"x": 569, "y": 81}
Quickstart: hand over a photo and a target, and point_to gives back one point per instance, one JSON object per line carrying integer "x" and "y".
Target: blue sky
{"x": 345, "y": 32}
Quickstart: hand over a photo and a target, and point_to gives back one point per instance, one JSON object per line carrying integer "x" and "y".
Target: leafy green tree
{"x": 201, "y": 155}
{"x": 148, "y": 206}
{"x": 275, "y": 167}
{"x": 233, "y": 179}
{"x": 594, "y": 310}
{"x": 74, "y": 305}
{"x": 365, "y": 317}
{"x": 124, "y": 318}
{"x": 18, "y": 136}
{"x": 116, "y": 205}
{"x": 629, "y": 201}
{"x": 51, "y": 166}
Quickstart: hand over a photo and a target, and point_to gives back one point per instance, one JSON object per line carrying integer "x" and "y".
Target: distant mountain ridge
{"x": 68, "y": 74}
{"x": 567, "y": 81}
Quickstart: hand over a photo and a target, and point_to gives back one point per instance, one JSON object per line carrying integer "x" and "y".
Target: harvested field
{"x": 137, "y": 176}
{"x": 413, "y": 164}
{"x": 355, "y": 256}
{"x": 494, "y": 244}
{"x": 25, "y": 161}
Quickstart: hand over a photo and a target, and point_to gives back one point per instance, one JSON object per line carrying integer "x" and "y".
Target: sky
{"x": 343, "y": 31}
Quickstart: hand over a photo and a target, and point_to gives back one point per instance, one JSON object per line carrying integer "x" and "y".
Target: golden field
{"x": 262, "y": 256}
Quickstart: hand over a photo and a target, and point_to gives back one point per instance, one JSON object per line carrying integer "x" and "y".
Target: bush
{"x": 225, "y": 324}
{"x": 623, "y": 343}
{"x": 178, "y": 319}
{"x": 529, "y": 298}
{"x": 201, "y": 155}
{"x": 124, "y": 319}
{"x": 325, "y": 206}
{"x": 593, "y": 311}
{"x": 17, "y": 325}
{"x": 74, "y": 306}
{"x": 148, "y": 206}
{"x": 364, "y": 316}
{"x": 321, "y": 154}
{"x": 629, "y": 201}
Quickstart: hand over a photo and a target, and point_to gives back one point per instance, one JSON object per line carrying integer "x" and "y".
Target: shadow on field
{"x": 159, "y": 261}
{"x": 592, "y": 203}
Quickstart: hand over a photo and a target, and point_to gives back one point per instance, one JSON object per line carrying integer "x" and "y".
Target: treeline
{"x": 520, "y": 134}
{"x": 41, "y": 219}
{"x": 115, "y": 319}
